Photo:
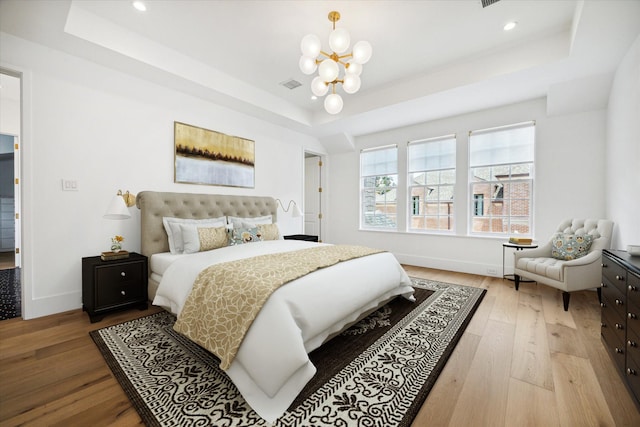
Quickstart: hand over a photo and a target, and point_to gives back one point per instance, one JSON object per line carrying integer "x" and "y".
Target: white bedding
{"x": 272, "y": 365}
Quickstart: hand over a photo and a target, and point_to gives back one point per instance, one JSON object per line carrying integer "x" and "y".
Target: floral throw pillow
{"x": 570, "y": 246}
{"x": 240, "y": 236}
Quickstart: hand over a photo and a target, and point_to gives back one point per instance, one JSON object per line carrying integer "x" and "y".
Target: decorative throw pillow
{"x": 198, "y": 239}
{"x": 244, "y": 235}
{"x": 570, "y": 246}
{"x": 213, "y": 238}
{"x": 269, "y": 231}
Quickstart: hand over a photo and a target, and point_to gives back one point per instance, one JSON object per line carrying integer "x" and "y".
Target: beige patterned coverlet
{"x": 226, "y": 298}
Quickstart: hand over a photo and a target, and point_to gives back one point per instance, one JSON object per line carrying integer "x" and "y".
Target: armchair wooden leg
{"x": 516, "y": 280}
{"x": 565, "y": 300}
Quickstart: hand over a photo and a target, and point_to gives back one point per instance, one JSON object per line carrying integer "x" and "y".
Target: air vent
{"x": 486, "y": 3}
{"x": 291, "y": 84}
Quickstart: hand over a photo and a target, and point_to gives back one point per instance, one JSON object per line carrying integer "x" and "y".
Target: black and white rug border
{"x": 445, "y": 314}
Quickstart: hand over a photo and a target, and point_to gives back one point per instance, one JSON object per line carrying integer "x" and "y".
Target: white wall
{"x": 623, "y": 151}
{"x": 569, "y": 182}
{"x": 111, "y": 131}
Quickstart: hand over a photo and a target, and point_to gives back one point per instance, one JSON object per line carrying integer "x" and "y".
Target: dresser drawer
{"x": 613, "y": 333}
{"x": 632, "y": 374}
{"x": 633, "y": 344}
{"x": 614, "y": 273}
{"x": 633, "y": 288}
{"x": 614, "y": 300}
{"x": 633, "y": 319}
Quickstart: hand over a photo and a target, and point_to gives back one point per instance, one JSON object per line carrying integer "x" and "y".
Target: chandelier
{"x": 329, "y": 64}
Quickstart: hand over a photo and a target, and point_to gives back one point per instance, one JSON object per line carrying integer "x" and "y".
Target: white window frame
{"x": 518, "y": 156}
{"x": 439, "y": 164}
{"x": 369, "y": 172}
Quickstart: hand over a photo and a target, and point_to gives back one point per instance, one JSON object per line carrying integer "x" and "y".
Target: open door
{"x": 313, "y": 195}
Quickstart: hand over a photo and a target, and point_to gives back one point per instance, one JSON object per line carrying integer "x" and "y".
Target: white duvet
{"x": 272, "y": 365}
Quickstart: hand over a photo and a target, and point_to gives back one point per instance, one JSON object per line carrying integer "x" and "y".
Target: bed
{"x": 271, "y": 365}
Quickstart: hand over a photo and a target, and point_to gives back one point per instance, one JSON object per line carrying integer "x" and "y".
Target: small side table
{"x": 517, "y": 247}
{"x": 113, "y": 285}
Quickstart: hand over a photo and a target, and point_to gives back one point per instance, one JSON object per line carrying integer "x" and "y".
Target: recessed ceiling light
{"x": 313, "y": 97}
{"x": 510, "y": 25}
{"x": 140, "y": 6}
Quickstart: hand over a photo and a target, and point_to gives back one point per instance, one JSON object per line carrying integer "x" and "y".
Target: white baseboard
{"x": 457, "y": 265}
{"x": 44, "y": 306}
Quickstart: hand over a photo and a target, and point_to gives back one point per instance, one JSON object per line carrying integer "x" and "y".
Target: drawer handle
{"x": 603, "y": 285}
{"x": 604, "y": 265}
{"x": 631, "y": 316}
{"x": 631, "y": 371}
{"x": 632, "y": 343}
{"x": 619, "y": 277}
{"x": 619, "y": 326}
{"x": 122, "y": 273}
{"x": 632, "y": 288}
{"x": 619, "y": 302}
{"x": 603, "y": 325}
{"x": 619, "y": 350}
{"x": 603, "y": 305}
{"x": 123, "y": 293}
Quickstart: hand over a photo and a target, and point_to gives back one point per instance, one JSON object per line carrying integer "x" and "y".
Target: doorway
{"x": 10, "y": 229}
{"x": 313, "y": 195}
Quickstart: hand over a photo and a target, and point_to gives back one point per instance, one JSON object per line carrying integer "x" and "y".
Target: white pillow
{"x": 238, "y": 222}
{"x": 172, "y": 227}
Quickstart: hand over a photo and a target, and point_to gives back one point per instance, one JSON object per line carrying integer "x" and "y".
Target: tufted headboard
{"x": 155, "y": 205}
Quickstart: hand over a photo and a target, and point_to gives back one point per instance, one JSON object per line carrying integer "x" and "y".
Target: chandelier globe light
{"x": 331, "y": 65}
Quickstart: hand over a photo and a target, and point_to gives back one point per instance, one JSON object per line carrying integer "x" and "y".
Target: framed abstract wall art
{"x": 204, "y": 156}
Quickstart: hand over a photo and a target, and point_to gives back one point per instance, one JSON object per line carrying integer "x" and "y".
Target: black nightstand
{"x": 113, "y": 285}
{"x": 307, "y": 237}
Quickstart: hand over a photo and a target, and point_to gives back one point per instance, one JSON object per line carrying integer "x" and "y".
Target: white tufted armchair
{"x": 568, "y": 276}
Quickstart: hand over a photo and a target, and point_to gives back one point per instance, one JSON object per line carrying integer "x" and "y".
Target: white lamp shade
{"x": 339, "y": 40}
{"x": 296, "y": 212}
{"x": 353, "y": 68}
{"x": 319, "y": 87}
{"x": 307, "y": 65}
{"x": 351, "y": 83}
{"x": 311, "y": 46}
{"x": 117, "y": 209}
{"x": 362, "y": 52}
{"x": 328, "y": 70}
{"x": 333, "y": 103}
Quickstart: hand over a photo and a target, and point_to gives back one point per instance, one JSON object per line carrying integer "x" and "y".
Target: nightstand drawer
{"x": 121, "y": 273}
{"x": 114, "y": 293}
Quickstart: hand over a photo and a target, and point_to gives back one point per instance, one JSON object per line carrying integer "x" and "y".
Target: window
{"x": 378, "y": 187}
{"x": 501, "y": 162}
{"x": 431, "y": 180}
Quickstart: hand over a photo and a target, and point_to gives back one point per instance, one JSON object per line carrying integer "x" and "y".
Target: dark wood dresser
{"x": 620, "y": 324}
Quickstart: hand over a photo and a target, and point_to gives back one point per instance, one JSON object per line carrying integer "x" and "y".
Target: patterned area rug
{"x": 376, "y": 373}
{"x": 10, "y": 293}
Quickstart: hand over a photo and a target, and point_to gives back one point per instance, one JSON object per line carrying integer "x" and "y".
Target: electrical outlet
{"x": 492, "y": 271}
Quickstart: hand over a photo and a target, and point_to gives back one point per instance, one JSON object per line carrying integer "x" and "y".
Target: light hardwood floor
{"x": 522, "y": 361}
